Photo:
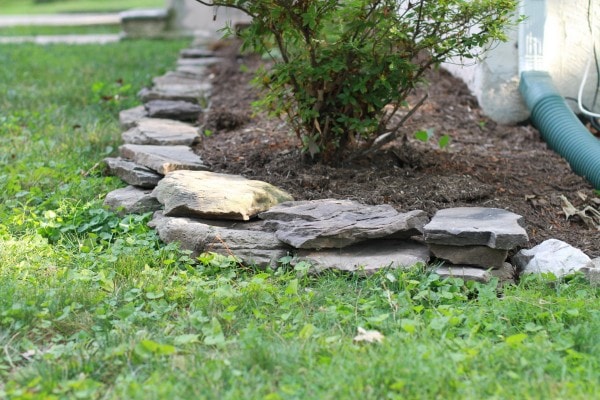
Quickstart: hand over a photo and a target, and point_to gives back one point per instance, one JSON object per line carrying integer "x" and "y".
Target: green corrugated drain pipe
{"x": 559, "y": 126}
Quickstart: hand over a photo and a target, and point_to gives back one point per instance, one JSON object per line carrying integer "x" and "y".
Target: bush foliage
{"x": 343, "y": 69}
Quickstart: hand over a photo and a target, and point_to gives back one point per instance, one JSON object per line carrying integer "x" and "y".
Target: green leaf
{"x": 148, "y": 348}
{"x": 155, "y": 295}
{"x": 515, "y": 340}
{"x": 573, "y": 312}
{"x": 408, "y": 325}
{"x": 292, "y": 287}
{"x": 438, "y": 323}
{"x": 424, "y": 135}
{"x": 213, "y": 335}
{"x": 185, "y": 339}
{"x": 378, "y": 318}
{"x": 532, "y": 327}
{"x": 306, "y": 331}
{"x": 444, "y": 141}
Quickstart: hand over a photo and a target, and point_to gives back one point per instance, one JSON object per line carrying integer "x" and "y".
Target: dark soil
{"x": 486, "y": 164}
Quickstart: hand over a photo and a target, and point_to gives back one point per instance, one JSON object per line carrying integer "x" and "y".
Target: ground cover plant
{"x": 343, "y": 71}
{"x": 92, "y": 305}
{"x": 70, "y": 6}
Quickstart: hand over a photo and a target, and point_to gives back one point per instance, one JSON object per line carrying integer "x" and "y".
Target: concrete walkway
{"x": 66, "y": 39}
{"x": 60, "y": 19}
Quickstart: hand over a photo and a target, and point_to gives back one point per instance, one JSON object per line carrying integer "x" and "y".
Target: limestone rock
{"x": 171, "y": 109}
{"x": 196, "y": 53}
{"x": 329, "y": 223}
{"x": 131, "y": 200}
{"x": 176, "y": 78}
{"x": 163, "y": 159}
{"x": 163, "y": 132}
{"x": 464, "y": 272}
{"x": 193, "y": 71}
{"x": 553, "y": 256}
{"x": 177, "y": 85}
{"x": 368, "y": 257}
{"x": 147, "y": 95}
{"x": 204, "y": 62}
{"x": 479, "y": 256}
{"x": 476, "y": 226}
{"x": 130, "y": 117}
{"x": 595, "y": 263}
{"x": 212, "y": 195}
{"x": 506, "y": 274}
{"x": 592, "y": 271}
{"x": 132, "y": 173}
{"x": 246, "y": 240}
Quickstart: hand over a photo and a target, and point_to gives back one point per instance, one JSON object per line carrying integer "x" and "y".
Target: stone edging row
{"x": 205, "y": 211}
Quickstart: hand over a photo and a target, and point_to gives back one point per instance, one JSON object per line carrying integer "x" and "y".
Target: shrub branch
{"x": 343, "y": 69}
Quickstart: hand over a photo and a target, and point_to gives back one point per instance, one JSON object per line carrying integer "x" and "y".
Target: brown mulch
{"x": 486, "y": 164}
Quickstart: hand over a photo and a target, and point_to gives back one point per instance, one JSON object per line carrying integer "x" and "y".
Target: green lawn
{"x": 93, "y": 306}
{"x": 35, "y": 30}
{"x": 69, "y": 6}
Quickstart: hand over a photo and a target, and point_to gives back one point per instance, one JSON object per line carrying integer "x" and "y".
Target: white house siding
{"x": 191, "y": 16}
{"x": 567, "y": 47}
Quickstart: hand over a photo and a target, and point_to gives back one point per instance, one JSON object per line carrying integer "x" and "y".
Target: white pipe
{"x": 580, "y": 93}
{"x": 531, "y": 36}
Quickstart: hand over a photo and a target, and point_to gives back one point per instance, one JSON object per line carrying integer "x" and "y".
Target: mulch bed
{"x": 486, "y": 164}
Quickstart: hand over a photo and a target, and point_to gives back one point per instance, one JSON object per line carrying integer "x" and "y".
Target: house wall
{"x": 191, "y": 16}
{"x": 567, "y": 47}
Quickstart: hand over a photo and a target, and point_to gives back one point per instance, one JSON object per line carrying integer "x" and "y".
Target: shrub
{"x": 343, "y": 69}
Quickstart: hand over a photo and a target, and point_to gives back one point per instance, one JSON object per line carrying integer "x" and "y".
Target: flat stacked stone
{"x": 163, "y": 159}
{"x": 162, "y": 132}
{"x": 199, "y": 62}
{"x": 132, "y": 173}
{"x": 210, "y": 195}
{"x": 196, "y": 53}
{"x": 177, "y": 86}
{"x": 474, "y": 236}
{"x": 131, "y": 200}
{"x": 178, "y": 79}
{"x": 349, "y": 236}
{"x": 193, "y": 71}
{"x": 250, "y": 241}
{"x": 146, "y": 95}
{"x": 368, "y": 257}
{"x": 464, "y": 272}
{"x": 173, "y": 109}
{"x": 330, "y": 223}
{"x": 130, "y": 117}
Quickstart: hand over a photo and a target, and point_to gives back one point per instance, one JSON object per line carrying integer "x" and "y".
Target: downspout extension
{"x": 559, "y": 127}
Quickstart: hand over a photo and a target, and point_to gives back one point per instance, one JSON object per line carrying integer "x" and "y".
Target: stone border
{"x": 472, "y": 243}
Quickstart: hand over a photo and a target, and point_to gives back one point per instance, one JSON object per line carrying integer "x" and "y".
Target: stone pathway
{"x": 260, "y": 224}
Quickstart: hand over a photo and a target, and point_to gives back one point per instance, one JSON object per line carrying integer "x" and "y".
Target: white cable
{"x": 580, "y": 94}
